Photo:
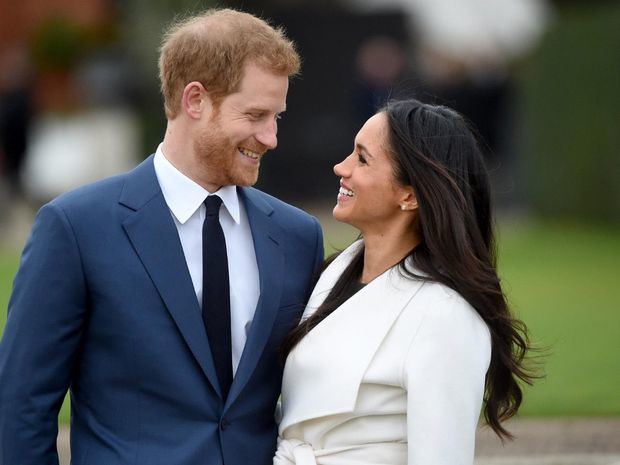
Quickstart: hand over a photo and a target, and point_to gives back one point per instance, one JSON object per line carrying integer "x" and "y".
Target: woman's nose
{"x": 340, "y": 169}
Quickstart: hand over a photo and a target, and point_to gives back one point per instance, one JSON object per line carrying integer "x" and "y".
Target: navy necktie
{"x": 216, "y": 293}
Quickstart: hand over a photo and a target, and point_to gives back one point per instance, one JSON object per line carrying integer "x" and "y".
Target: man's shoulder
{"x": 90, "y": 193}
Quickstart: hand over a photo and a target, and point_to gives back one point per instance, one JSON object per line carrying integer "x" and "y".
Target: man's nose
{"x": 268, "y": 135}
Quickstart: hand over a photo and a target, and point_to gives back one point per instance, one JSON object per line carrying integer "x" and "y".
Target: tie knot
{"x": 213, "y": 203}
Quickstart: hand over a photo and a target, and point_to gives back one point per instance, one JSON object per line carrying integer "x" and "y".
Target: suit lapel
{"x": 267, "y": 237}
{"x": 152, "y": 233}
{"x": 337, "y": 352}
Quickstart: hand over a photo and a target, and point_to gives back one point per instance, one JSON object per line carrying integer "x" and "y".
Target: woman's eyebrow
{"x": 363, "y": 148}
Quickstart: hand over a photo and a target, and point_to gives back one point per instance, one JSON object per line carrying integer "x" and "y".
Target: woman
{"x": 407, "y": 332}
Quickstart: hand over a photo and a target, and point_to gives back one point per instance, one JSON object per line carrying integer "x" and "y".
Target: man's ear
{"x": 194, "y": 100}
{"x": 408, "y": 200}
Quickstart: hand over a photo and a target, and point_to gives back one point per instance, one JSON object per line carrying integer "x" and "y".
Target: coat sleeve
{"x": 41, "y": 340}
{"x": 444, "y": 374}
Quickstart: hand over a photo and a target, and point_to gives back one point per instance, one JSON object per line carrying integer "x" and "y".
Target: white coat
{"x": 394, "y": 376}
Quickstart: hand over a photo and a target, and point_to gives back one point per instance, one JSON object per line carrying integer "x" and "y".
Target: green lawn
{"x": 563, "y": 281}
{"x": 8, "y": 266}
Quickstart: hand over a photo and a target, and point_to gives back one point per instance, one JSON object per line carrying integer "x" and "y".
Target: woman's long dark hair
{"x": 436, "y": 152}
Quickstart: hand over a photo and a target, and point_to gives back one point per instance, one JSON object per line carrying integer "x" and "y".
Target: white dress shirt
{"x": 185, "y": 199}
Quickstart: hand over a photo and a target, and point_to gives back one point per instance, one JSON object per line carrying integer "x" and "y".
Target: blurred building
{"x": 71, "y": 95}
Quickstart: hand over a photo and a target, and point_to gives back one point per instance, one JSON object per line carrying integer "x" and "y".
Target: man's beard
{"x": 218, "y": 157}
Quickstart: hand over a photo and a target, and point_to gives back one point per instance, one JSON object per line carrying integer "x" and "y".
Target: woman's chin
{"x": 341, "y": 215}
{"x": 338, "y": 214}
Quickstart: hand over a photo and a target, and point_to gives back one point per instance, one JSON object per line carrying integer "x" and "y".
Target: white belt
{"x": 294, "y": 452}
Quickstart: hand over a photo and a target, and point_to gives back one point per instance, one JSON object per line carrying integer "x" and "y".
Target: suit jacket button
{"x": 224, "y": 423}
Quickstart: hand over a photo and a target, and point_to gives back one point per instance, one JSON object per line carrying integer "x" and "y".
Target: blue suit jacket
{"x": 103, "y": 304}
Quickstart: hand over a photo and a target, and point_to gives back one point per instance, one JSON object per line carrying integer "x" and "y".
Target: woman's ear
{"x": 193, "y": 100}
{"x": 408, "y": 200}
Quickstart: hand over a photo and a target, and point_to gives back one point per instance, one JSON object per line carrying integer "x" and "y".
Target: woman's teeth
{"x": 346, "y": 192}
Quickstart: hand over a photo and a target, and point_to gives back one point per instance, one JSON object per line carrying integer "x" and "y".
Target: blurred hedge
{"x": 570, "y": 135}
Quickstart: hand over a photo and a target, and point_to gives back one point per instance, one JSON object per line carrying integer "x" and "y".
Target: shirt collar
{"x": 184, "y": 196}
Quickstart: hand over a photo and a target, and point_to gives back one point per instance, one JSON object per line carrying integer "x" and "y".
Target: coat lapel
{"x": 337, "y": 352}
{"x": 267, "y": 237}
{"x": 152, "y": 233}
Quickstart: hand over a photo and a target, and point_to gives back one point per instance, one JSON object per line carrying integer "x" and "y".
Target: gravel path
{"x": 583, "y": 441}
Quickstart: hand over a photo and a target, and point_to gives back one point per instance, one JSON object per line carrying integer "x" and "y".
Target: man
{"x": 120, "y": 294}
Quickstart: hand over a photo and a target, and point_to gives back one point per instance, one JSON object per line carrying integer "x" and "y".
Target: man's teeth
{"x": 346, "y": 192}
{"x": 249, "y": 153}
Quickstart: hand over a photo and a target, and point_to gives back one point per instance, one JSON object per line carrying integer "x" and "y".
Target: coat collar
{"x": 153, "y": 235}
{"x": 140, "y": 186}
{"x": 340, "y": 348}
{"x": 267, "y": 235}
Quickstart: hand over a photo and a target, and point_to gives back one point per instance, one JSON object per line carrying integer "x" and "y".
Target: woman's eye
{"x": 361, "y": 158}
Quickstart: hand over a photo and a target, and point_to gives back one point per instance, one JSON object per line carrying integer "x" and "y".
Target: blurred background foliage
{"x": 570, "y": 115}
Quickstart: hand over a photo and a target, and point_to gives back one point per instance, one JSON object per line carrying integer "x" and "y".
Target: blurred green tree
{"x": 571, "y": 116}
